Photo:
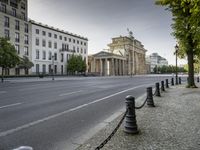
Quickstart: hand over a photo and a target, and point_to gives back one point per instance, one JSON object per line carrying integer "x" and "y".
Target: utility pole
{"x": 176, "y": 53}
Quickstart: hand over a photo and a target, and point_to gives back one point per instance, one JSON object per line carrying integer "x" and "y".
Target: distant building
{"x": 125, "y": 56}
{"x": 156, "y": 60}
{"x": 53, "y": 47}
{"x": 14, "y": 26}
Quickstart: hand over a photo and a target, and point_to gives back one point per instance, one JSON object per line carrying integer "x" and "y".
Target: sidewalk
{"x": 174, "y": 124}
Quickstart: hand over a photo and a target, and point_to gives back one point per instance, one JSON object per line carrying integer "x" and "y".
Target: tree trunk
{"x": 2, "y": 69}
{"x": 190, "y": 56}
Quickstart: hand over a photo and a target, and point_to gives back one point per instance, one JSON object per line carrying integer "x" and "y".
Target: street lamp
{"x": 176, "y": 52}
{"x": 53, "y": 67}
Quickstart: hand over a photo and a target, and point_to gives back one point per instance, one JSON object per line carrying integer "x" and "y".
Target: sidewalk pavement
{"x": 174, "y": 124}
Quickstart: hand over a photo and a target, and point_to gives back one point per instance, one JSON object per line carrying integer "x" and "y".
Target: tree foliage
{"x": 76, "y": 64}
{"x": 8, "y": 55}
{"x": 168, "y": 69}
{"x": 25, "y": 64}
{"x": 186, "y": 29}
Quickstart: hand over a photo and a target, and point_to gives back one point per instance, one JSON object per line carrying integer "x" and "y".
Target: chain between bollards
{"x": 112, "y": 134}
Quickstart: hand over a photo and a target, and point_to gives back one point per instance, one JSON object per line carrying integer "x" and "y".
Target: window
{"x": 74, "y": 41}
{"x": 37, "y": 41}
{"x": 44, "y": 69}
{"x": 37, "y": 54}
{"x": 55, "y": 56}
{"x": 50, "y": 55}
{"x": 37, "y": 31}
{"x": 6, "y": 22}
{"x": 85, "y": 51}
{"x": 16, "y": 24}
{"x": 4, "y": 1}
{"x": 49, "y": 44}
{"x": 85, "y": 43}
{"x": 70, "y": 39}
{"x": 13, "y": 3}
{"x": 17, "y": 37}
{"x": 49, "y": 34}
{"x": 43, "y": 55}
{"x": 50, "y": 69}
{"x": 81, "y": 50}
{"x": 65, "y": 38}
{"x": 60, "y": 37}
{"x": 7, "y": 34}
{"x": 77, "y": 49}
{"x": 23, "y": 6}
{"x": 62, "y": 69}
{"x": 17, "y": 49}
{"x": 55, "y": 69}
{"x": 37, "y": 68}
{"x": 43, "y": 43}
{"x": 74, "y": 49}
{"x": 55, "y": 45}
{"x": 26, "y": 28}
{"x": 43, "y": 33}
{"x": 81, "y": 43}
{"x": 55, "y": 36}
{"x": 14, "y": 12}
{"x": 17, "y": 71}
{"x": 77, "y": 41}
{"x": 23, "y": 15}
{"x": 62, "y": 57}
{"x": 26, "y": 51}
{"x": 26, "y": 39}
{"x": 3, "y": 8}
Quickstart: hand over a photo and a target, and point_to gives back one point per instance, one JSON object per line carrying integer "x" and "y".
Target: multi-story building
{"x": 156, "y": 60}
{"x": 14, "y": 26}
{"x": 52, "y": 47}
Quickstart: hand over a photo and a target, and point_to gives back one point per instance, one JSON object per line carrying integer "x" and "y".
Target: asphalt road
{"x": 55, "y": 115}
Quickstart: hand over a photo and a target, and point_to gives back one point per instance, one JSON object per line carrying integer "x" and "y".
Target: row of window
{"x": 50, "y": 56}
{"x": 13, "y": 12}
{"x": 14, "y": 3}
{"x": 50, "y": 69}
{"x": 37, "y": 31}
{"x": 17, "y": 24}
{"x": 26, "y": 51}
{"x": 65, "y": 47}
{"x": 17, "y": 37}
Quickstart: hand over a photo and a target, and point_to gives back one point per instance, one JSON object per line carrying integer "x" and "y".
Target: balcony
{"x": 4, "y": 1}
{"x": 67, "y": 50}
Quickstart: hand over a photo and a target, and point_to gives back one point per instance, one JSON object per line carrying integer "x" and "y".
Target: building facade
{"x": 52, "y": 48}
{"x": 156, "y": 60}
{"x": 125, "y": 56}
{"x": 14, "y": 26}
{"x": 132, "y": 50}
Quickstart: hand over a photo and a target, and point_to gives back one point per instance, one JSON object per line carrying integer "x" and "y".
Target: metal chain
{"x": 141, "y": 105}
{"x": 112, "y": 134}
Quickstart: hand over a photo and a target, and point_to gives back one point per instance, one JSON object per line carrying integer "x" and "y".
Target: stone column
{"x": 106, "y": 67}
{"x": 101, "y": 67}
{"x": 113, "y": 67}
{"x": 120, "y": 67}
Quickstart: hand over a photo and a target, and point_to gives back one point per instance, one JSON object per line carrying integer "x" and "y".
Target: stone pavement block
{"x": 174, "y": 124}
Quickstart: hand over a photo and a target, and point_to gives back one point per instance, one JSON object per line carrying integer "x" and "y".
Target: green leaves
{"x": 8, "y": 54}
{"x": 76, "y": 64}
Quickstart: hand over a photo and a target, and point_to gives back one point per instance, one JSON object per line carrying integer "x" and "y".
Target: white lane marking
{"x": 65, "y": 94}
{"x": 2, "y": 92}
{"x": 11, "y": 105}
{"x": 11, "y": 131}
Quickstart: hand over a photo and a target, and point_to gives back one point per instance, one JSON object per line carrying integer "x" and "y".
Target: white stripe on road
{"x": 11, "y": 105}
{"x": 11, "y": 131}
{"x": 65, "y": 94}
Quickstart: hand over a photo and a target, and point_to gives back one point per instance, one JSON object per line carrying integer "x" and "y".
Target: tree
{"x": 25, "y": 64}
{"x": 8, "y": 56}
{"x": 186, "y": 29}
{"x": 76, "y": 64}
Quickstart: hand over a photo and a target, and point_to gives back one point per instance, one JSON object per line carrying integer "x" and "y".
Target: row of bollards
{"x": 130, "y": 125}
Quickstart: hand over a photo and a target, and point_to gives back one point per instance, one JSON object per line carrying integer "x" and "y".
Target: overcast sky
{"x": 100, "y": 20}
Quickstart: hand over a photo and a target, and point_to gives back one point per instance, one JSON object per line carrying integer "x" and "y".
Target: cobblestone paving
{"x": 174, "y": 124}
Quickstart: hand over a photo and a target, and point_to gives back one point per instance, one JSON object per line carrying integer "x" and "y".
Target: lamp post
{"x": 53, "y": 67}
{"x": 176, "y": 52}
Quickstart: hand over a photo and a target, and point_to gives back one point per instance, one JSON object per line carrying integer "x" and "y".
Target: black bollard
{"x": 167, "y": 84}
{"x": 162, "y": 86}
{"x": 197, "y": 79}
{"x": 172, "y": 81}
{"x": 150, "y": 101}
{"x": 179, "y": 80}
{"x": 130, "y": 125}
{"x": 157, "y": 92}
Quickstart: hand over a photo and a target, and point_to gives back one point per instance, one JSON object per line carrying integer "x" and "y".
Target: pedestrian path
{"x": 174, "y": 124}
